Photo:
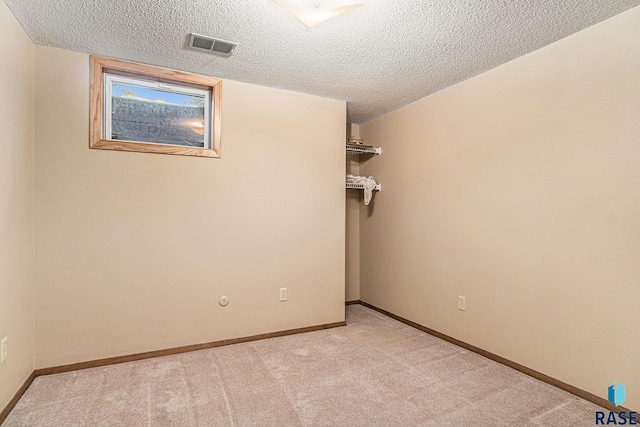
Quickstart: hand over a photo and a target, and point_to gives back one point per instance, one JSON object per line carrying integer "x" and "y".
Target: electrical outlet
{"x": 283, "y": 294}
{"x": 3, "y": 350}
{"x": 461, "y": 303}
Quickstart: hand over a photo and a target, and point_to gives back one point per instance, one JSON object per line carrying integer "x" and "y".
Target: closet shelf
{"x": 358, "y": 150}
{"x": 361, "y": 187}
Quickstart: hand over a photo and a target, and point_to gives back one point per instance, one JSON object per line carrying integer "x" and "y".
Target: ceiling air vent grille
{"x": 217, "y": 46}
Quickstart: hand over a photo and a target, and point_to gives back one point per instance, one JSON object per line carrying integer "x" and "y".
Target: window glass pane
{"x": 157, "y": 115}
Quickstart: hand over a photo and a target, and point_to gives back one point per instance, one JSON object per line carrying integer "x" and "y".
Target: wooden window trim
{"x": 96, "y": 131}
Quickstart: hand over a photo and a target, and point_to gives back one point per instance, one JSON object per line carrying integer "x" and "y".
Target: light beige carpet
{"x": 375, "y": 371}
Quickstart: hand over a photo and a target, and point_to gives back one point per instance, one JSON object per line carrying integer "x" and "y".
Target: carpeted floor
{"x": 375, "y": 371}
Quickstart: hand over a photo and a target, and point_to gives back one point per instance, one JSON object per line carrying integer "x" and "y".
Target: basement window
{"x": 146, "y": 109}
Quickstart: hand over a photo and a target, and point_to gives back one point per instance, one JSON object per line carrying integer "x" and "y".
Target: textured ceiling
{"x": 377, "y": 57}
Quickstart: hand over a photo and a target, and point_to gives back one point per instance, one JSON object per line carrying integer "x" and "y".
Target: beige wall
{"x": 352, "y": 239}
{"x": 133, "y": 250}
{"x": 16, "y": 204}
{"x": 520, "y": 190}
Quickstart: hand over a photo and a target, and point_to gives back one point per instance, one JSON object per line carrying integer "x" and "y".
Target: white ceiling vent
{"x": 217, "y": 46}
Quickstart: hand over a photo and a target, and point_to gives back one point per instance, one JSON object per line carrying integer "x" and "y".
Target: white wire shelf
{"x": 358, "y": 150}
{"x": 361, "y": 187}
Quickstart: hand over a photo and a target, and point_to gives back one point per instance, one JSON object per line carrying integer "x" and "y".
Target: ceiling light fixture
{"x": 314, "y": 12}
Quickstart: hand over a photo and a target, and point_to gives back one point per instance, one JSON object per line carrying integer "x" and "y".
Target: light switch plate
{"x": 3, "y": 350}
{"x": 461, "y": 303}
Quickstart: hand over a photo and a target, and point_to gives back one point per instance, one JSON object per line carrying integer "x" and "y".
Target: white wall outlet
{"x": 461, "y": 303}
{"x": 3, "y": 350}
{"x": 283, "y": 294}
{"x": 223, "y": 301}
